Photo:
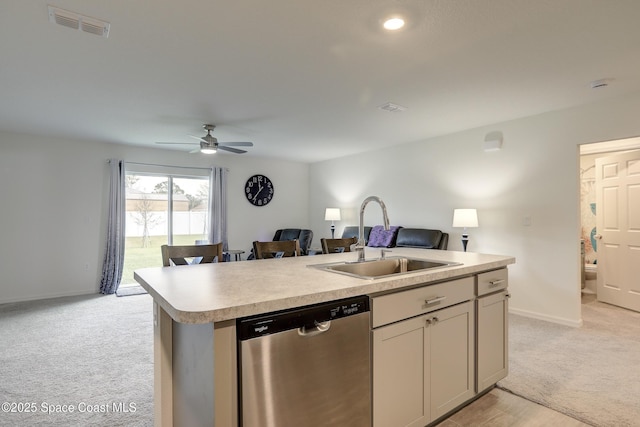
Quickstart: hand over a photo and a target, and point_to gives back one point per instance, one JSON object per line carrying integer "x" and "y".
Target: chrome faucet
{"x": 361, "y": 243}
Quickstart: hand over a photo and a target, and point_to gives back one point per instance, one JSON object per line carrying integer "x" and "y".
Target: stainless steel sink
{"x": 379, "y": 268}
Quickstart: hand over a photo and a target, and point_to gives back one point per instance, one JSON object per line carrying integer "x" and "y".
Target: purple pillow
{"x": 381, "y": 238}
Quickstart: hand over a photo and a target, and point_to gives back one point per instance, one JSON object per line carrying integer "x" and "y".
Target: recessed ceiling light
{"x": 393, "y": 24}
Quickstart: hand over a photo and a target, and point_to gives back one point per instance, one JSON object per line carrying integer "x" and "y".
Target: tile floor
{"x": 500, "y": 408}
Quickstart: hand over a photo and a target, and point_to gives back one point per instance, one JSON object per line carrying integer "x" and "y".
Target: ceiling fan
{"x": 209, "y": 144}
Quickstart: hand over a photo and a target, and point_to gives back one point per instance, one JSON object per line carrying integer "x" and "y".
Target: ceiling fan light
{"x": 393, "y": 23}
{"x": 208, "y": 147}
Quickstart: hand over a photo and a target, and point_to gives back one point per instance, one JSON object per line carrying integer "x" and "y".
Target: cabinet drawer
{"x": 492, "y": 281}
{"x": 405, "y": 304}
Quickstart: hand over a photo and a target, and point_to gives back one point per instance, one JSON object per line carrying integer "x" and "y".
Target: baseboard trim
{"x": 547, "y": 318}
{"x": 47, "y": 296}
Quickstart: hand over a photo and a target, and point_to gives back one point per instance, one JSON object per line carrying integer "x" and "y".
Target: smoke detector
{"x": 391, "y": 107}
{"x": 78, "y": 22}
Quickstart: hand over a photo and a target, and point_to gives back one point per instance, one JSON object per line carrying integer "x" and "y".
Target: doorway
{"x": 597, "y": 268}
{"x": 162, "y": 209}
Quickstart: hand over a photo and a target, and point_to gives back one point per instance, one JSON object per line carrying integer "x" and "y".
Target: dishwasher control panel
{"x": 272, "y": 323}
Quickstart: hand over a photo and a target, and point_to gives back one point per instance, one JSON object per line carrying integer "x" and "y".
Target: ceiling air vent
{"x": 78, "y": 22}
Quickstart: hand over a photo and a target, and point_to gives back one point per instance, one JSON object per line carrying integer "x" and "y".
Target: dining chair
{"x": 201, "y": 254}
{"x": 276, "y": 249}
{"x": 331, "y": 246}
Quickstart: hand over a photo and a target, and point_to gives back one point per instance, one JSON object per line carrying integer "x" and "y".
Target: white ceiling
{"x": 303, "y": 79}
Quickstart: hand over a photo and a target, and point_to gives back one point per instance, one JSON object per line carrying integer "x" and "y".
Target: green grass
{"x": 136, "y": 257}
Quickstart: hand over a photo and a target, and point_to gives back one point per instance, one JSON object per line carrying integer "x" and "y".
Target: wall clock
{"x": 259, "y": 190}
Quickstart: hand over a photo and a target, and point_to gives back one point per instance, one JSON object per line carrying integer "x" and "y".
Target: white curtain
{"x": 218, "y": 207}
{"x": 114, "y": 255}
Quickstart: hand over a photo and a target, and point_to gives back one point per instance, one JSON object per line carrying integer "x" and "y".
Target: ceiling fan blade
{"x": 175, "y": 143}
{"x": 237, "y": 144}
{"x": 210, "y": 141}
{"x": 233, "y": 150}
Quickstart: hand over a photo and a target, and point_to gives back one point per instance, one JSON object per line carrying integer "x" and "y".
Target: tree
{"x": 131, "y": 180}
{"x": 145, "y": 217}
{"x": 197, "y": 199}
{"x": 194, "y": 201}
{"x": 163, "y": 188}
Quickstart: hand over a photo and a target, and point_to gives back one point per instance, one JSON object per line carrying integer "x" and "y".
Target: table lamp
{"x": 332, "y": 214}
{"x": 465, "y": 218}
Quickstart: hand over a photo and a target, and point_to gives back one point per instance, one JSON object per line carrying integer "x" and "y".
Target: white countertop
{"x": 216, "y": 292}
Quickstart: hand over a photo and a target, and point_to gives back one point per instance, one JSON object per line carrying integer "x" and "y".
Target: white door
{"x": 618, "y": 228}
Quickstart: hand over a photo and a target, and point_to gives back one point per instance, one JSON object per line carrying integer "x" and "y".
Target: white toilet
{"x": 590, "y": 275}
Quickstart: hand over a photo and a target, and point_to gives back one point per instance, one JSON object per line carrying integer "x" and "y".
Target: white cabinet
{"x": 423, "y": 367}
{"x": 402, "y": 305}
{"x": 452, "y": 358}
{"x": 401, "y": 374}
{"x": 492, "y": 328}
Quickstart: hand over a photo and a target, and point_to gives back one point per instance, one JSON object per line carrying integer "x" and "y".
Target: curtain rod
{"x": 168, "y": 166}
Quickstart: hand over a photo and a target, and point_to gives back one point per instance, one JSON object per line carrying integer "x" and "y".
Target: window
{"x": 162, "y": 208}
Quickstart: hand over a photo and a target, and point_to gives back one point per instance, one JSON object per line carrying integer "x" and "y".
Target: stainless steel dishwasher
{"x": 307, "y": 367}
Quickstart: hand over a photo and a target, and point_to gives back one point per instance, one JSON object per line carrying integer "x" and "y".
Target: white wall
{"x": 50, "y": 186}
{"x": 53, "y": 219}
{"x": 535, "y": 175}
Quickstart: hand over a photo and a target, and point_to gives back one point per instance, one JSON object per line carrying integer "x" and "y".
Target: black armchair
{"x": 303, "y": 236}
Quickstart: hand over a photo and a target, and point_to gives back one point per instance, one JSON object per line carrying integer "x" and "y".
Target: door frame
{"x": 605, "y": 148}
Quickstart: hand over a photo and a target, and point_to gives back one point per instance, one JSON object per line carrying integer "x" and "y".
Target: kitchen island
{"x": 196, "y": 307}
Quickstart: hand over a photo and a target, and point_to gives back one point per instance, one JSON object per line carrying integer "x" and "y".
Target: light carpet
{"x": 92, "y": 355}
{"x": 95, "y": 353}
{"x": 590, "y": 373}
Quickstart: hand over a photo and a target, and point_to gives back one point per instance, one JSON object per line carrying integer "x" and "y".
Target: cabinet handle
{"x": 435, "y": 320}
{"x": 508, "y": 296}
{"x": 428, "y": 321}
{"x": 434, "y": 300}
{"x": 496, "y": 282}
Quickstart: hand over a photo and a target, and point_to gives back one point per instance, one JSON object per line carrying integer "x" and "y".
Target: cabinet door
{"x": 493, "y": 348}
{"x": 452, "y": 360}
{"x": 400, "y": 374}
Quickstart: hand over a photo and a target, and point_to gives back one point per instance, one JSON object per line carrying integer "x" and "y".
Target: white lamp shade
{"x": 332, "y": 214}
{"x": 465, "y": 218}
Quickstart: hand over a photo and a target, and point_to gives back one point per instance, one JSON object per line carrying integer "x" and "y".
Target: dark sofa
{"x": 407, "y": 237}
{"x": 352, "y": 231}
{"x": 422, "y": 238}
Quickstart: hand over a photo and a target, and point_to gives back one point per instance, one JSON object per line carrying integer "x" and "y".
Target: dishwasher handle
{"x": 316, "y": 329}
